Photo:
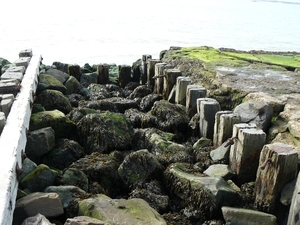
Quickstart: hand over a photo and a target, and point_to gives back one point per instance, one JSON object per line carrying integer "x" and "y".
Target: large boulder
{"x": 105, "y": 132}
{"x": 38, "y": 219}
{"x": 85, "y": 220}
{"x": 74, "y": 177}
{"x": 257, "y": 112}
{"x": 103, "y": 169}
{"x": 62, "y": 126}
{"x": 66, "y": 193}
{"x": 64, "y": 154}
{"x": 98, "y": 91}
{"x": 46, "y": 81}
{"x": 140, "y": 92}
{"x": 148, "y": 101}
{"x": 170, "y": 118}
{"x": 202, "y": 196}
{"x": 120, "y": 211}
{"x": 39, "y": 142}
{"x": 53, "y": 99}
{"x": 88, "y": 78}
{"x": 114, "y": 104}
{"x": 47, "y": 204}
{"x": 139, "y": 167}
{"x": 72, "y": 85}
{"x": 40, "y": 178}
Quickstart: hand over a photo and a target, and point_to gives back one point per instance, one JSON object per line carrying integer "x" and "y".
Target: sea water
{"x": 94, "y": 31}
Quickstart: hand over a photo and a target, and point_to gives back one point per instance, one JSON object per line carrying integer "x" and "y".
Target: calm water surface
{"x": 121, "y": 32}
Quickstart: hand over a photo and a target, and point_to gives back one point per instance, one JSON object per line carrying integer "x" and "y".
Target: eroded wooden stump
{"x": 224, "y": 121}
{"x": 151, "y": 72}
{"x": 193, "y": 92}
{"x": 103, "y": 73}
{"x": 181, "y": 86}
{"x": 294, "y": 214}
{"x": 144, "y": 68}
{"x": 278, "y": 164}
{"x": 247, "y": 143}
{"x": 170, "y": 77}
{"x": 124, "y": 75}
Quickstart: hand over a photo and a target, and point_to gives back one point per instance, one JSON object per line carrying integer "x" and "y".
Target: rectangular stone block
{"x": 5, "y": 105}
{"x": 23, "y": 61}
{"x": 12, "y": 76}
{"x": 25, "y": 53}
{"x": 9, "y": 86}
{"x": 20, "y": 69}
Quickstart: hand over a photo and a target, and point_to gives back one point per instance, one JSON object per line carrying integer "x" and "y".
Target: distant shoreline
{"x": 285, "y": 2}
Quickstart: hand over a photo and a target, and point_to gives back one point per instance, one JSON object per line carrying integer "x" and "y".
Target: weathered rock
{"x": 85, "y": 220}
{"x": 103, "y": 169}
{"x": 120, "y": 211}
{"x": 60, "y": 75}
{"x": 105, "y": 132}
{"x": 129, "y": 88}
{"x": 221, "y": 153}
{"x": 115, "y": 90}
{"x": 53, "y": 99}
{"x": 88, "y": 78}
{"x": 47, "y": 81}
{"x": 27, "y": 167}
{"x": 152, "y": 193}
{"x": 170, "y": 118}
{"x": 140, "y": 92}
{"x": 247, "y": 217}
{"x": 76, "y": 98}
{"x": 62, "y": 126}
{"x": 64, "y": 154}
{"x": 135, "y": 117}
{"x": 219, "y": 170}
{"x": 75, "y": 177}
{"x": 287, "y": 192}
{"x": 114, "y": 104}
{"x": 37, "y": 108}
{"x": 47, "y": 204}
{"x": 72, "y": 85}
{"x": 59, "y": 67}
{"x": 259, "y": 113}
{"x": 201, "y": 143}
{"x": 39, "y": 178}
{"x": 139, "y": 167}
{"x": 39, "y": 219}
{"x": 78, "y": 113}
{"x": 202, "y": 196}
{"x": 98, "y": 91}
{"x": 66, "y": 193}
{"x": 167, "y": 151}
{"x": 148, "y": 101}
{"x": 293, "y": 217}
{"x": 39, "y": 142}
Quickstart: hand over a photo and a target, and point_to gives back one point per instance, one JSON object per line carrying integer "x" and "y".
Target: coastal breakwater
{"x": 172, "y": 151}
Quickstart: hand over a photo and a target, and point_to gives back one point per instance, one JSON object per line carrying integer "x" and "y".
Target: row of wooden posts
{"x": 270, "y": 165}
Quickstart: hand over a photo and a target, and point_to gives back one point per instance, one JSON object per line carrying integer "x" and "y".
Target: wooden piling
{"x": 181, "y": 87}
{"x": 208, "y": 107}
{"x": 151, "y": 72}
{"x": 170, "y": 77}
{"x": 124, "y": 75}
{"x": 144, "y": 68}
{"x": 278, "y": 164}
{"x": 193, "y": 92}
{"x": 75, "y": 71}
{"x": 294, "y": 214}
{"x": 103, "y": 73}
{"x": 247, "y": 142}
{"x": 224, "y": 121}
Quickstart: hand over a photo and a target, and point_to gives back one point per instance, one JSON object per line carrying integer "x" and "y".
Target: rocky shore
{"x": 116, "y": 152}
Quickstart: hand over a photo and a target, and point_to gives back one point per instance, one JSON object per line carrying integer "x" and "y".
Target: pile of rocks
{"x": 106, "y": 154}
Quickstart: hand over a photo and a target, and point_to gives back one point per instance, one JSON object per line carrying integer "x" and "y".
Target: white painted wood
{"x": 13, "y": 140}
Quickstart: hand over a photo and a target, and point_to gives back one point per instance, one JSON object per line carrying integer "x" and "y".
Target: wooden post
{"x": 294, "y": 214}
{"x": 193, "y": 92}
{"x": 170, "y": 77}
{"x": 159, "y": 77}
{"x": 151, "y": 72}
{"x": 246, "y": 144}
{"x": 181, "y": 86}
{"x": 144, "y": 67}
{"x": 224, "y": 122}
{"x": 75, "y": 71}
{"x": 103, "y": 73}
{"x": 136, "y": 71}
{"x": 124, "y": 75}
{"x": 208, "y": 109}
{"x": 278, "y": 164}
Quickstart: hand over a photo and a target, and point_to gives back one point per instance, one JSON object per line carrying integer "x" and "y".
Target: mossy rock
{"x": 40, "y": 178}
{"x": 47, "y": 81}
{"x": 120, "y": 211}
{"x": 62, "y": 126}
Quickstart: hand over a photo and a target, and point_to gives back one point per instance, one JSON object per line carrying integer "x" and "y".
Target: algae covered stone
{"x": 62, "y": 126}
{"x": 46, "y": 81}
{"x": 105, "y": 132}
{"x": 120, "y": 211}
